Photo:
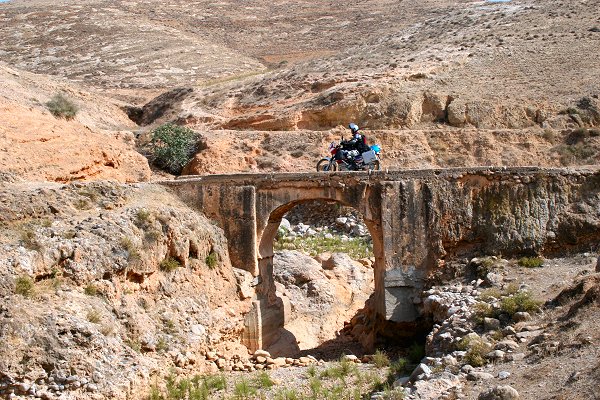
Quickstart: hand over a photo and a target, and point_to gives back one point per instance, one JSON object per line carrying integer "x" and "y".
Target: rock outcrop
{"x": 104, "y": 286}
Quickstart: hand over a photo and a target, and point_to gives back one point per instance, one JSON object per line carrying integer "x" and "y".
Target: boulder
{"x": 422, "y": 371}
{"x": 499, "y": 393}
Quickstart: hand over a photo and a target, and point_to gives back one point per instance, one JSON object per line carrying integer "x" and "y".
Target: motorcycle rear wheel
{"x": 325, "y": 165}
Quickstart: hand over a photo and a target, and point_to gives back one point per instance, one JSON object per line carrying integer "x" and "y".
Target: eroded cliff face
{"x": 104, "y": 285}
{"x": 496, "y": 211}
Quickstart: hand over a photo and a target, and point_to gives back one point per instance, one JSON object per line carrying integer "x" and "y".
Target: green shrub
{"x": 288, "y": 394}
{"x": 169, "y": 264}
{"x": 476, "y": 349}
{"x": 172, "y": 147}
{"x": 522, "y": 301}
{"x": 400, "y": 366}
{"x": 90, "y": 290}
{"x": 570, "y": 154}
{"x": 316, "y": 386}
{"x": 143, "y": 218}
{"x": 24, "y": 286}
{"x": 29, "y": 240}
{"x": 211, "y": 260}
{"x": 133, "y": 253}
{"x": 62, "y": 107}
{"x": 161, "y": 344}
{"x": 530, "y": 262}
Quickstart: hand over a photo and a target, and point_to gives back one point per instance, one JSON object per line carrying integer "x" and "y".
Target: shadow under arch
{"x": 271, "y": 310}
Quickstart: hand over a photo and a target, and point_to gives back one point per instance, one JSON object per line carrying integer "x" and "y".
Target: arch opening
{"x": 320, "y": 262}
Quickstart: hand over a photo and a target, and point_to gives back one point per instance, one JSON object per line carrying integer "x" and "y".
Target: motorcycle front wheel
{"x": 325, "y": 165}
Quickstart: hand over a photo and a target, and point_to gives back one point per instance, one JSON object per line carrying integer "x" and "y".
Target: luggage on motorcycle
{"x": 369, "y": 156}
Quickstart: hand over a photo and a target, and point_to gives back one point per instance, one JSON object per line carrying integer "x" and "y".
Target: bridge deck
{"x": 383, "y": 175}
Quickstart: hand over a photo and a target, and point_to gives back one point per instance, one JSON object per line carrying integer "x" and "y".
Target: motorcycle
{"x": 350, "y": 160}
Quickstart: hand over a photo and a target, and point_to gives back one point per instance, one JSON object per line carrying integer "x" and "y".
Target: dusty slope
{"x": 34, "y": 144}
{"x": 561, "y": 361}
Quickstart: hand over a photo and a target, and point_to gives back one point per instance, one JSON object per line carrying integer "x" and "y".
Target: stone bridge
{"x": 418, "y": 220}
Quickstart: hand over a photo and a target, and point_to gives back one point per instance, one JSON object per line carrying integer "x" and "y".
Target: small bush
{"x": 522, "y": 301}
{"x": 476, "y": 349}
{"x": 263, "y": 380}
{"x": 133, "y": 253}
{"x": 481, "y": 311}
{"x": 62, "y": 107}
{"x": 135, "y": 345}
{"x": 24, "y": 286}
{"x": 91, "y": 290}
{"x": 94, "y": 316}
{"x": 172, "y": 147}
{"x": 152, "y": 235}
{"x": 161, "y": 344}
{"x": 380, "y": 359}
{"x": 212, "y": 260}
{"x": 400, "y": 366}
{"x": 143, "y": 218}
{"x": 490, "y": 293}
{"x": 29, "y": 240}
{"x": 169, "y": 264}
{"x": 530, "y": 262}
{"x": 243, "y": 390}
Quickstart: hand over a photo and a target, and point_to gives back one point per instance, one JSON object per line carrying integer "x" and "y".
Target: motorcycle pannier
{"x": 369, "y": 157}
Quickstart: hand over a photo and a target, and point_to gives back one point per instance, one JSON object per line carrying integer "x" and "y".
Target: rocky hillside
{"x": 103, "y": 286}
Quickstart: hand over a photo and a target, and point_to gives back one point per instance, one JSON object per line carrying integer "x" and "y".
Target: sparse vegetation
{"x": 60, "y": 106}
{"x": 169, "y": 264}
{"x": 196, "y": 388}
{"x": 94, "y": 316}
{"x": 135, "y": 344}
{"x": 24, "y": 286}
{"x": 29, "y": 239}
{"x": 243, "y": 389}
{"x": 380, "y": 359}
{"x": 161, "y": 344}
{"x": 143, "y": 218}
{"x": 476, "y": 349}
{"x": 576, "y": 153}
{"x": 263, "y": 380}
{"x": 416, "y": 352}
{"x": 172, "y": 147}
{"x": 133, "y": 253}
{"x": 356, "y": 248}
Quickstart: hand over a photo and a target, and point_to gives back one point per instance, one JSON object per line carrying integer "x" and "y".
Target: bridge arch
{"x": 269, "y": 308}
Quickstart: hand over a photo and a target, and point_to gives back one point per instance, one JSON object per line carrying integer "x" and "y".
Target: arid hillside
{"x": 112, "y": 288}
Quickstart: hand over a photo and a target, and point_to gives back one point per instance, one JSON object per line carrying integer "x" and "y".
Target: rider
{"x": 353, "y": 147}
{"x": 358, "y": 141}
